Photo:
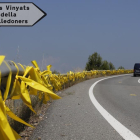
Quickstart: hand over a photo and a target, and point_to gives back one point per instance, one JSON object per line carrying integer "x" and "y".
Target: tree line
{"x": 95, "y": 62}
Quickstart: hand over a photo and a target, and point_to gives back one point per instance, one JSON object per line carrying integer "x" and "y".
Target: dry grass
{"x": 22, "y": 111}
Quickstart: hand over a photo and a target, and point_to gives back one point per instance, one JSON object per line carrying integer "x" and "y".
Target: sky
{"x": 75, "y": 29}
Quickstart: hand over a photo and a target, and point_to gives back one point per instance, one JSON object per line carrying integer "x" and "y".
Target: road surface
{"x": 75, "y": 117}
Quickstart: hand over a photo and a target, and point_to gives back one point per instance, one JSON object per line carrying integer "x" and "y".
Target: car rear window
{"x": 137, "y": 66}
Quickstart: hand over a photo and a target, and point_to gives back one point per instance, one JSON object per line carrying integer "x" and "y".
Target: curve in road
{"x": 120, "y": 128}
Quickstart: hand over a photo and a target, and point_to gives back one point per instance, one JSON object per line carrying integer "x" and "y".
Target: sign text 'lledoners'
{"x": 13, "y": 9}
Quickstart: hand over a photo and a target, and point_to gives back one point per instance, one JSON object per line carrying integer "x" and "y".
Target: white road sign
{"x": 20, "y": 14}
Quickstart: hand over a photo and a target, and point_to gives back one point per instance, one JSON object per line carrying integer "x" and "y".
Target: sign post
{"x": 20, "y": 14}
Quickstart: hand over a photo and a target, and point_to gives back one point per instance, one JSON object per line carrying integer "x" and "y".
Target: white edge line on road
{"x": 121, "y": 129}
{"x": 139, "y": 81}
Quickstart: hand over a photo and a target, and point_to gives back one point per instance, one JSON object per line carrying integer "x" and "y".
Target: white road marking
{"x": 121, "y": 129}
{"x": 139, "y": 81}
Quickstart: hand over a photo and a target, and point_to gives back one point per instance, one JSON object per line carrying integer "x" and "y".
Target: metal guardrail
{"x": 65, "y": 74}
{"x": 5, "y": 72}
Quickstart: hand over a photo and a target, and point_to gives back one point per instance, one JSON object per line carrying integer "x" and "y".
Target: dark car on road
{"x": 136, "y": 69}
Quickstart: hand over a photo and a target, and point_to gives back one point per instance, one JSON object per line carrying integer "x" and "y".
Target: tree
{"x": 105, "y": 65}
{"x": 121, "y": 67}
{"x": 55, "y": 72}
{"x": 111, "y": 66}
{"x": 94, "y": 62}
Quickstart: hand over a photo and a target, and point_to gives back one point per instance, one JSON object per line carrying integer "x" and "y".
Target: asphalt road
{"x": 74, "y": 117}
